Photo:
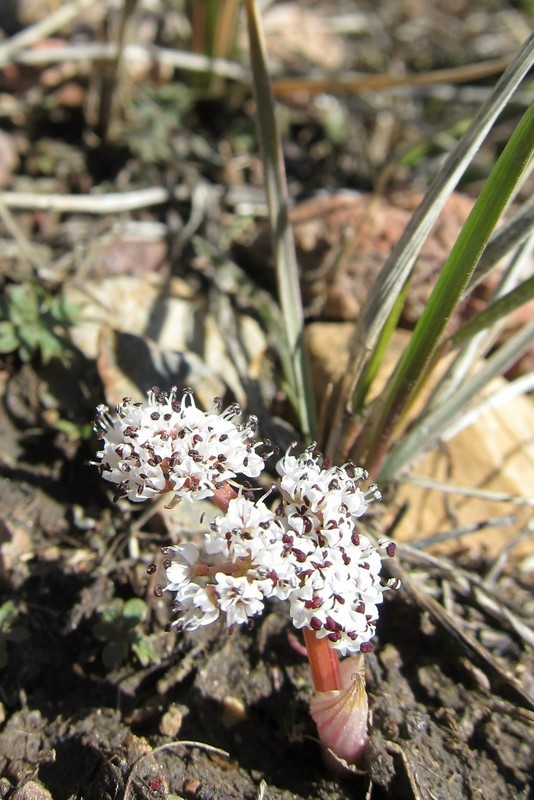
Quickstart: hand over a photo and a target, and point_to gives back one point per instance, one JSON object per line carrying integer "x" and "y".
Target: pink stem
{"x": 222, "y": 496}
{"x": 324, "y": 662}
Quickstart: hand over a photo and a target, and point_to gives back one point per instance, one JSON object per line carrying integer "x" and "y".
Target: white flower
{"x": 337, "y": 567}
{"x": 197, "y": 608}
{"x": 309, "y": 552}
{"x": 179, "y": 569}
{"x": 238, "y": 598}
{"x": 243, "y": 530}
{"x": 171, "y": 445}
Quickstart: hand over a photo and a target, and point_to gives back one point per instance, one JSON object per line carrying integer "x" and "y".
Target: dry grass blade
{"x": 445, "y": 418}
{"x": 300, "y": 387}
{"x": 468, "y": 491}
{"x": 108, "y": 83}
{"x": 501, "y": 681}
{"x": 471, "y": 586}
{"x": 498, "y": 565}
{"x": 517, "y": 388}
{"x": 356, "y": 84}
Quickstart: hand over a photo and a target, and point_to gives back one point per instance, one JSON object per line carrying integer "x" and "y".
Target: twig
{"x": 40, "y": 30}
{"x": 456, "y": 533}
{"x": 169, "y": 746}
{"x": 134, "y": 53}
{"x": 109, "y": 203}
{"x": 468, "y": 491}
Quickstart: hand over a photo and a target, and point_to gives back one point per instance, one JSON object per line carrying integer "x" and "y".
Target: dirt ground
{"x": 205, "y": 715}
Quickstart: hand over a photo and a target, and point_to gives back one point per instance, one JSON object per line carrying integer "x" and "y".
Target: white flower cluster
{"x": 169, "y": 445}
{"x": 307, "y": 552}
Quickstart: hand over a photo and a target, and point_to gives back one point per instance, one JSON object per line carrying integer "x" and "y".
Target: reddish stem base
{"x": 324, "y": 662}
{"x": 222, "y": 496}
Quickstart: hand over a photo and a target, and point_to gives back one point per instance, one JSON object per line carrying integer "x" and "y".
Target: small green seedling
{"x": 8, "y": 631}
{"x": 34, "y": 323}
{"x": 118, "y": 628}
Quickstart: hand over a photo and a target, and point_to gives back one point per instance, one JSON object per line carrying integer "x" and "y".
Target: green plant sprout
{"x": 118, "y": 627}
{"x": 32, "y": 323}
{"x": 8, "y": 631}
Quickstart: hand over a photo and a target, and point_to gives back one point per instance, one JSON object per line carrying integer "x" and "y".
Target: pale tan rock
{"x": 147, "y": 305}
{"x": 494, "y": 454}
{"x": 149, "y": 331}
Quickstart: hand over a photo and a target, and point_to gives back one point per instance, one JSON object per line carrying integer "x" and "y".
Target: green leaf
{"x": 9, "y": 341}
{"x": 145, "y": 651}
{"x": 499, "y": 309}
{"x": 24, "y": 303}
{"x": 8, "y": 612}
{"x": 63, "y": 311}
{"x": 3, "y": 653}
{"x": 75, "y": 431}
{"x": 134, "y": 611}
{"x": 29, "y": 335}
{"x": 110, "y": 623}
{"x": 376, "y": 311}
{"x": 50, "y": 345}
{"x": 114, "y": 653}
{"x": 105, "y": 631}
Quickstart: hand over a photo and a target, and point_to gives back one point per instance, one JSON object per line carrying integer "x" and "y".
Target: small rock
{"x": 234, "y": 711}
{"x": 32, "y": 791}
{"x": 171, "y": 722}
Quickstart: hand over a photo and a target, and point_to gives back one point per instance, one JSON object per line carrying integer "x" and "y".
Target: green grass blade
{"x": 448, "y": 290}
{"x": 474, "y": 343}
{"x": 373, "y": 365}
{"x": 493, "y": 313}
{"x": 511, "y": 235}
{"x": 425, "y": 433}
{"x": 282, "y": 235}
{"x": 397, "y": 269}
